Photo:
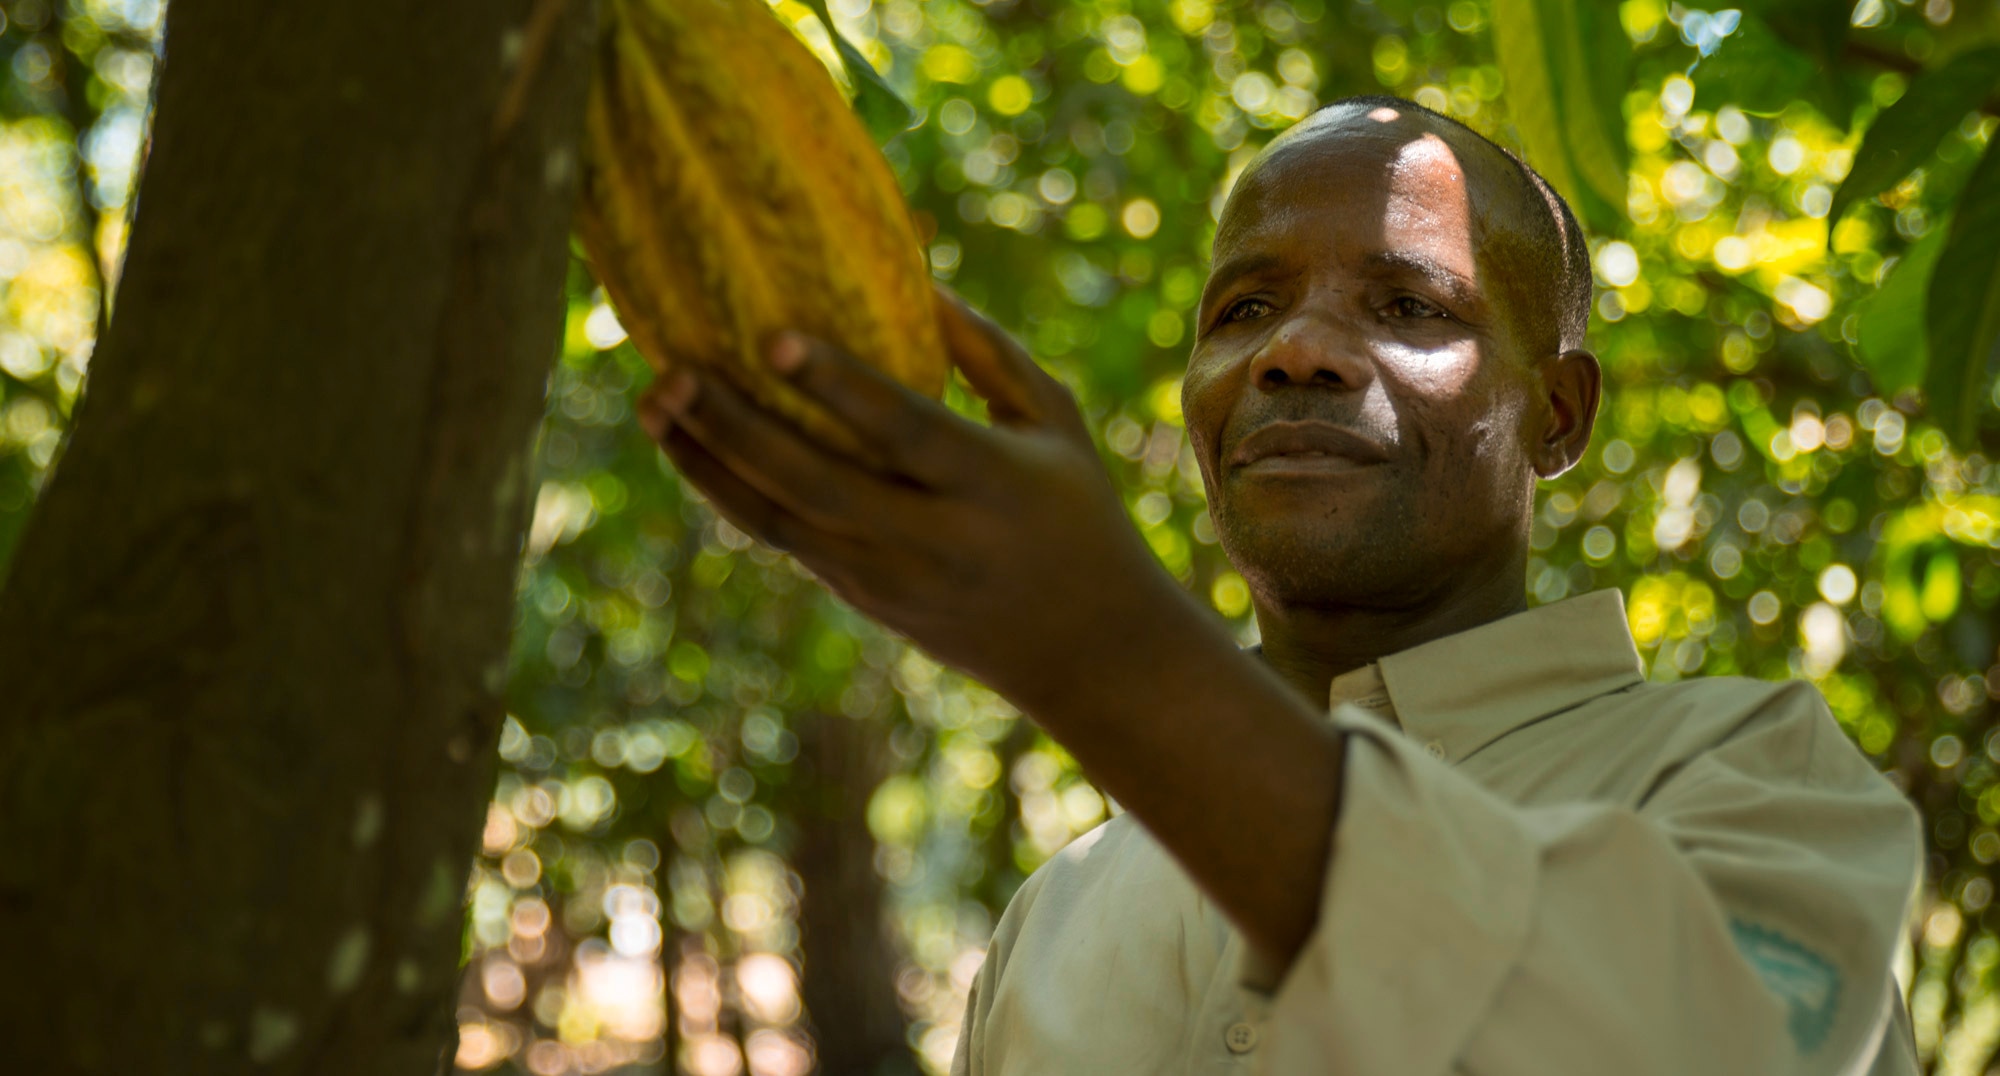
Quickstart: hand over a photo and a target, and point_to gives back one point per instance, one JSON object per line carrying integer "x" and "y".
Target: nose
{"x": 1312, "y": 348}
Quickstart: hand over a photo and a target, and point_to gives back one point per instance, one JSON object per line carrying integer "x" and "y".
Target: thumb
{"x": 998, "y": 367}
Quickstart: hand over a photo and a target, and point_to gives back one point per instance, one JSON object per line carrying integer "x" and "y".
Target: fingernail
{"x": 787, "y": 353}
{"x": 679, "y": 392}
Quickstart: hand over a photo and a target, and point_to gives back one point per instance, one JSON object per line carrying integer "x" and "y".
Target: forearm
{"x": 1222, "y": 760}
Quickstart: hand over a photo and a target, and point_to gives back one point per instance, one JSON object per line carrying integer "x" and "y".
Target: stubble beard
{"x": 1346, "y": 558}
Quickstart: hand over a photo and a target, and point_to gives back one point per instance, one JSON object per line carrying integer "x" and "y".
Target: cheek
{"x": 1445, "y": 376}
{"x": 1494, "y": 436}
{"x": 1469, "y": 424}
{"x": 1204, "y": 407}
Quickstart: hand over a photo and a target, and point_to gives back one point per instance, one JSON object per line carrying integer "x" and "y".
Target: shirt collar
{"x": 1464, "y": 691}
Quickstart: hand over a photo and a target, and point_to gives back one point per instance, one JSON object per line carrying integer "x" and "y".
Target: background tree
{"x": 253, "y": 640}
{"x": 1787, "y": 480}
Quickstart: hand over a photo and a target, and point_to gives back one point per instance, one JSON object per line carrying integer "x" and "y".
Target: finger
{"x": 766, "y": 452}
{"x": 918, "y": 436}
{"x": 1016, "y": 388}
{"x": 747, "y": 509}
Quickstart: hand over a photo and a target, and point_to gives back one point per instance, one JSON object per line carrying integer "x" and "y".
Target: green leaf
{"x": 1964, "y": 306}
{"x": 1892, "y": 344}
{"x": 1759, "y": 72}
{"x": 1908, "y": 132}
{"x": 1942, "y": 586}
{"x": 879, "y": 105}
{"x": 1597, "y": 72}
{"x": 1817, "y": 28}
{"x": 1531, "y": 89}
{"x": 1567, "y": 65}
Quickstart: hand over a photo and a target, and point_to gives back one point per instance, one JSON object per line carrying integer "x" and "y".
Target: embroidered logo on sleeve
{"x": 1809, "y": 983}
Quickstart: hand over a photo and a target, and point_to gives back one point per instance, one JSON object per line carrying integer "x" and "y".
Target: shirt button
{"x": 1241, "y": 1038}
{"x": 1435, "y": 749}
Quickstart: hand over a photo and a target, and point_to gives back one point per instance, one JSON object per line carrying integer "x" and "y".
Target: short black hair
{"x": 1561, "y": 253}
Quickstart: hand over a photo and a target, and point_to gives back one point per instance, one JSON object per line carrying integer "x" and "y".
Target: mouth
{"x": 1306, "y": 448}
{"x": 1302, "y": 463}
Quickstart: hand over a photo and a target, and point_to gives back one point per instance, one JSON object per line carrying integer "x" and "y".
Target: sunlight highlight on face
{"x": 1429, "y": 197}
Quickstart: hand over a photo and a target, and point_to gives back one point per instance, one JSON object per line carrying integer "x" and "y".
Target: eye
{"x": 1410, "y": 306}
{"x": 1237, "y": 310}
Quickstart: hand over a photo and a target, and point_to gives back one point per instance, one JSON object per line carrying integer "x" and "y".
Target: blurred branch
{"x": 542, "y": 22}
{"x": 850, "y": 972}
{"x": 1895, "y": 59}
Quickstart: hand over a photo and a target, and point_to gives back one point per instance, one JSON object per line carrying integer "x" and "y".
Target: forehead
{"x": 1377, "y": 178}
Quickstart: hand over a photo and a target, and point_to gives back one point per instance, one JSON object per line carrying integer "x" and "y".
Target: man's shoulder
{"x": 1715, "y": 709}
{"x": 1783, "y": 727}
{"x": 1117, "y": 862}
{"x": 1110, "y": 848}
{"x": 1733, "y": 693}
{"x": 1115, "y": 870}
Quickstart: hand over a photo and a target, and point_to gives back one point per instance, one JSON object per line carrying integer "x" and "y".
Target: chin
{"x": 1292, "y": 563}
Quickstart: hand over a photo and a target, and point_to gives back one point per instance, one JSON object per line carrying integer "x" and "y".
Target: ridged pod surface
{"x": 729, "y": 192}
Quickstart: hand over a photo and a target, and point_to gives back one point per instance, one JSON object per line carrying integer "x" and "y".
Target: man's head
{"x": 1388, "y": 354}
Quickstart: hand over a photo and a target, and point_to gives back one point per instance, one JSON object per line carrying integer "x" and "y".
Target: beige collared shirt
{"x": 1544, "y": 866}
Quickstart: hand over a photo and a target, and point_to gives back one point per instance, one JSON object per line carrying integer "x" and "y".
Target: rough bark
{"x": 252, "y": 642}
{"x": 848, "y": 984}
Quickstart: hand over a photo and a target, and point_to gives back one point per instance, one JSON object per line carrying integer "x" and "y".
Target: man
{"x": 1502, "y": 852}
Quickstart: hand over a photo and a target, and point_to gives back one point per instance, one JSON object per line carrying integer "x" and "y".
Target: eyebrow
{"x": 1241, "y": 265}
{"x": 1436, "y": 273}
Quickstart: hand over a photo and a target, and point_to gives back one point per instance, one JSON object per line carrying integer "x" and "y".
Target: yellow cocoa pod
{"x": 729, "y": 192}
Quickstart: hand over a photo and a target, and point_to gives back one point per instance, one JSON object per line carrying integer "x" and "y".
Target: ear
{"x": 1571, "y": 386}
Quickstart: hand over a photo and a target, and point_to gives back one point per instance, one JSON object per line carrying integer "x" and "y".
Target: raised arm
{"x": 1003, "y": 550}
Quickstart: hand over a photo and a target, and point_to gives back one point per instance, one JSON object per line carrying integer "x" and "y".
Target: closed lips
{"x": 1307, "y": 440}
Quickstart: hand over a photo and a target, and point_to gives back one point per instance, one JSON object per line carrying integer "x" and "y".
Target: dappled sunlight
{"x": 692, "y": 718}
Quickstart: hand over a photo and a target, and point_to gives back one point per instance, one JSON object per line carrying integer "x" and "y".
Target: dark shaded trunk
{"x": 253, "y": 640}
{"x": 849, "y": 980}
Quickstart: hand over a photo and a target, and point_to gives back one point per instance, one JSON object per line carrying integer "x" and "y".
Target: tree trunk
{"x": 849, "y": 978}
{"x": 253, "y": 641}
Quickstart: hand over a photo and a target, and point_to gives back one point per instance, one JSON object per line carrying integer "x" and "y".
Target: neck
{"x": 1309, "y": 645}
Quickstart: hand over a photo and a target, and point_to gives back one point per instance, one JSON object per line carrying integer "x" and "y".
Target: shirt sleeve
{"x": 1742, "y": 919}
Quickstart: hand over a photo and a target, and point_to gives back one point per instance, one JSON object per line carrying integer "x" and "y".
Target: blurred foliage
{"x": 1793, "y": 475}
